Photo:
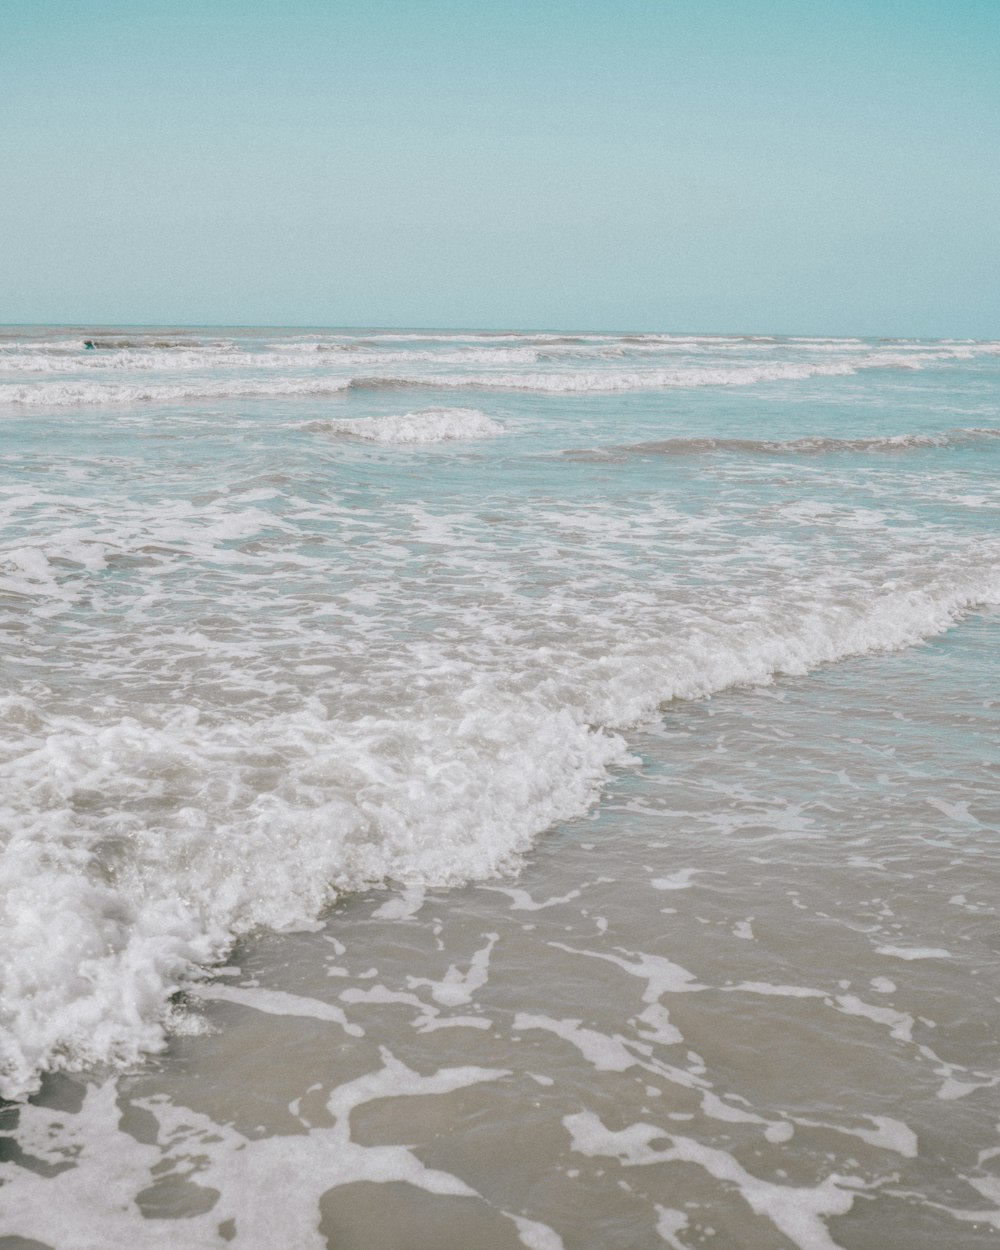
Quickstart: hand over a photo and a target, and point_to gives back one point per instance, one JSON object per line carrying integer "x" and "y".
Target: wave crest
{"x": 121, "y": 828}
{"x": 92, "y": 394}
{"x": 431, "y": 425}
{"x": 783, "y": 447}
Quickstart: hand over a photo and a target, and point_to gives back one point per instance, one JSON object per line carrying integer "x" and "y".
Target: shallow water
{"x": 667, "y": 701}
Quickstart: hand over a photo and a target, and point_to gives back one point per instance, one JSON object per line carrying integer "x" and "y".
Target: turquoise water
{"x": 353, "y": 676}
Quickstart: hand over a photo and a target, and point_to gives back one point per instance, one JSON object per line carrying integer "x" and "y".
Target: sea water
{"x": 498, "y": 789}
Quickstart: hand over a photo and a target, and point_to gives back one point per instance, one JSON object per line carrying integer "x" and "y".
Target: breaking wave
{"x": 224, "y": 369}
{"x": 605, "y": 381}
{"x": 158, "y": 840}
{"x": 90, "y": 394}
{"x": 432, "y": 425}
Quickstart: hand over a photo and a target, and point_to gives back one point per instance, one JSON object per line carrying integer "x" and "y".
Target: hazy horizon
{"x": 456, "y": 327}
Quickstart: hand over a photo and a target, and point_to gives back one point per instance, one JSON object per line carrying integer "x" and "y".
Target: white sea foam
{"x": 178, "y": 360}
{"x": 175, "y": 360}
{"x": 914, "y": 952}
{"x": 451, "y": 795}
{"x": 155, "y": 843}
{"x": 110, "y": 1167}
{"x": 467, "y": 356}
{"x": 86, "y": 393}
{"x": 432, "y": 425}
{"x": 609, "y": 381}
{"x": 798, "y": 1212}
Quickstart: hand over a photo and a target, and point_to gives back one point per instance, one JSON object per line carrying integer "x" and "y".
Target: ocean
{"x": 497, "y": 790}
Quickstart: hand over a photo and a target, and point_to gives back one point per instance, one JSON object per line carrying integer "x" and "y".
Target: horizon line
{"x": 501, "y": 329}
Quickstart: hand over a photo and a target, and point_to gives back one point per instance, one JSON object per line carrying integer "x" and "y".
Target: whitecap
{"x": 432, "y": 425}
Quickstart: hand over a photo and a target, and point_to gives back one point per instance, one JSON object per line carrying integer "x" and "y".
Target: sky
{"x": 782, "y": 166}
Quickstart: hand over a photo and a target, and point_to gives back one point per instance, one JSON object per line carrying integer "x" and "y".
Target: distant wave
{"x": 367, "y": 353}
{"x": 471, "y": 355}
{"x": 185, "y": 357}
{"x": 77, "y": 394}
{"x": 432, "y": 425}
{"x": 577, "y": 365}
{"x": 606, "y": 381}
{"x": 147, "y": 359}
{"x": 98, "y": 343}
{"x": 779, "y": 447}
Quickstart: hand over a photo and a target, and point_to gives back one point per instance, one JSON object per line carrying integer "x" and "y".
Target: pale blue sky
{"x": 780, "y": 165}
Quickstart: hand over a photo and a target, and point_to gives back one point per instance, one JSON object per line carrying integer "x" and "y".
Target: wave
{"x": 569, "y": 365}
{"x": 606, "y": 381}
{"x": 89, "y": 394}
{"x": 155, "y": 864}
{"x": 188, "y": 358}
{"x": 184, "y": 357}
{"x": 142, "y": 343}
{"x": 783, "y": 447}
{"x": 471, "y": 355}
{"x": 431, "y": 425}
